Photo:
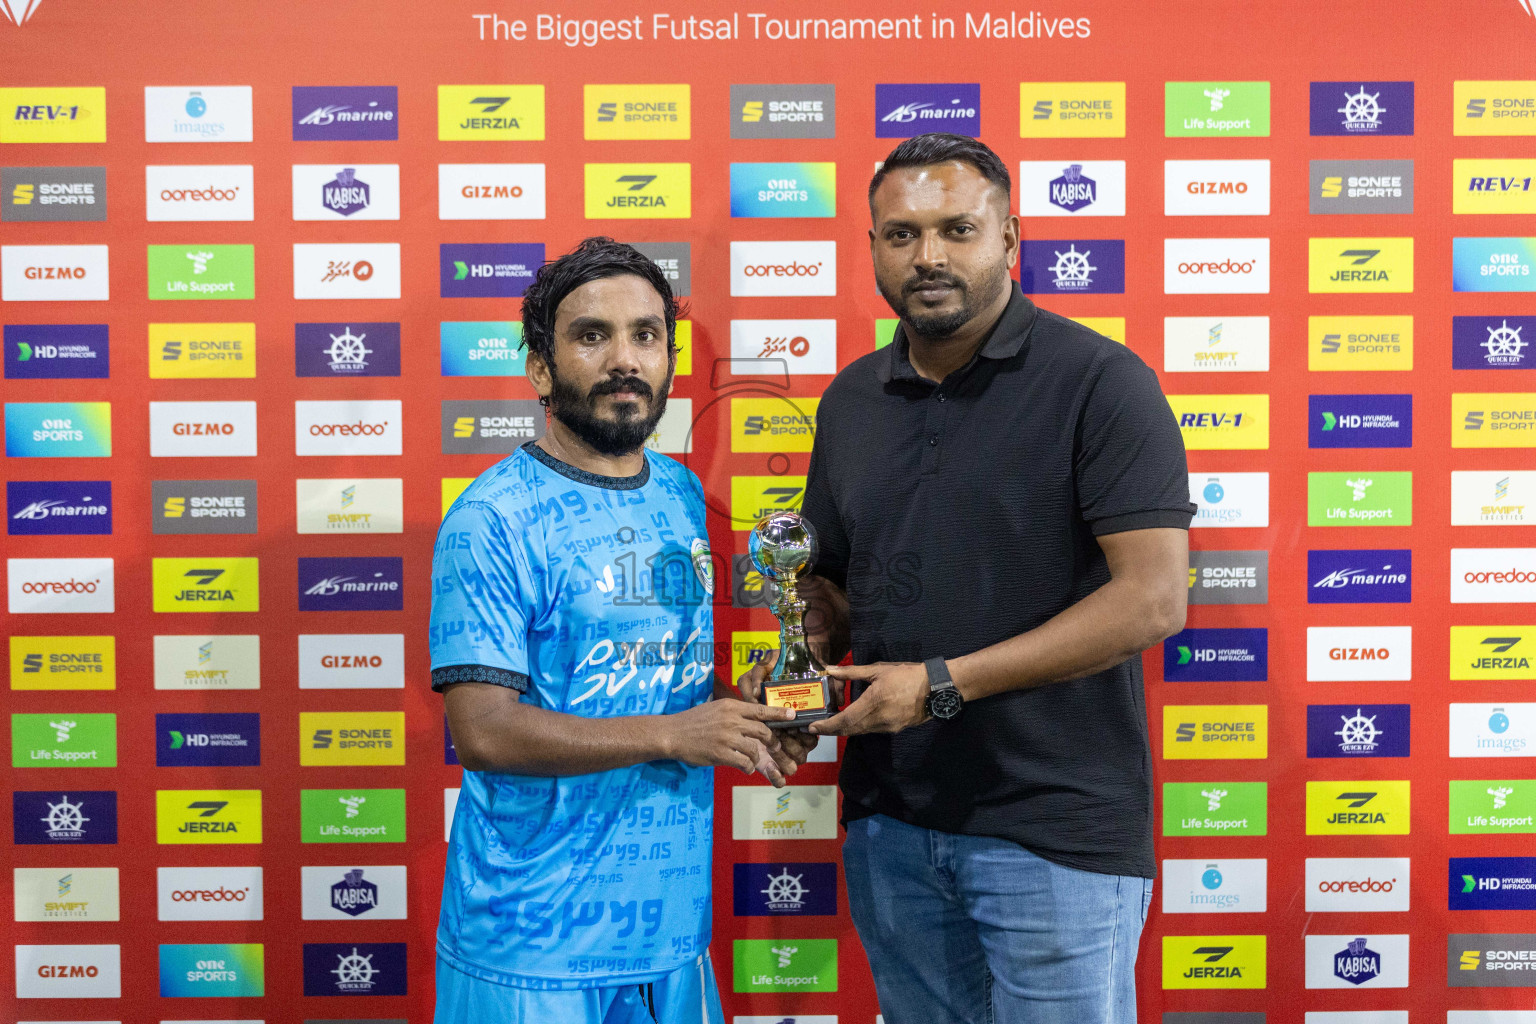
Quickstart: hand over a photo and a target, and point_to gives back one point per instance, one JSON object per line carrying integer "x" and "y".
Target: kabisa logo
{"x": 1082, "y": 110}
{"x": 1216, "y": 655}
{"x": 1222, "y": 421}
{"x": 1214, "y": 961}
{"x": 63, "y": 662}
{"x": 187, "y": 351}
{"x": 351, "y": 584}
{"x": 218, "y": 816}
{"x": 1493, "y": 730}
{"x": 1215, "y": 109}
{"x": 1494, "y": 108}
{"x": 53, "y": 194}
{"x": 490, "y": 191}
{"x": 1359, "y": 265}
{"x": 783, "y": 111}
{"x": 350, "y": 112}
{"x": 481, "y": 348}
{"x": 1350, "y": 961}
{"x": 53, "y": 586}
{"x": 1494, "y": 186}
{"x": 357, "y": 349}
{"x": 1357, "y": 730}
{"x": 476, "y": 427}
{"x": 639, "y": 191}
{"x": 1215, "y": 731}
{"x": 1360, "y": 577}
{"x": 902, "y": 111}
{"x": 204, "y": 506}
{"x": 206, "y": 585}
{"x": 190, "y": 272}
{"x": 1488, "y": 342}
{"x": 1360, "y": 421}
{"x": 1362, "y": 108}
{"x": 57, "y": 508}
{"x": 351, "y": 738}
{"x": 56, "y": 351}
{"x": 352, "y": 193}
{"x": 354, "y": 892}
{"x": 352, "y": 815}
{"x": 353, "y": 895}
{"x": 770, "y": 890}
{"x": 1087, "y": 188}
{"x": 636, "y": 111}
{"x": 193, "y": 740}
{"x": 1492, "y": 806}
{"x": 1214, "y": 887}
{"x": 487, "y": 270}
{"x": 63, "y": 114}
{"x": 1215, "y": 266}
{"x": 54, "y": 273}
{"x": 784, "y": 190}
{"x": 1072, "y": 267}
{"x": 354, "y": 969}
{"x": 350, "y": 505}
{"x": 18, "y": 12}
{"x": 213, "y": 969}
{"x": 1352, "y": 343}
{"x": 71, "y": 817}
{"x": 1492, "y": 652}
{"x": 492, "y": 112}
{"x": 1376, "y": 807}
{"x": 1493, "y": 420}
{"x": 1492, "y": 883}
{"x": 1230, "y": 499}
{"x": 346, "y": 193}
{"x": 1360, "y": 499}
{"x": 783, "y": 269}
{"x": 1493, "y": 264}
{"x": 218, "y": 113}
{"x": 1360, "y": 186}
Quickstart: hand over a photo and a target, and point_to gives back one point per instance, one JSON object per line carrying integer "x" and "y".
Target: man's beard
{"x": 937, "y": 326}
{"x": 623, "y": 435}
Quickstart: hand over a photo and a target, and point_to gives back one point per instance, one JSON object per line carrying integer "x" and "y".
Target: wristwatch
{"x": 944, "y": 701}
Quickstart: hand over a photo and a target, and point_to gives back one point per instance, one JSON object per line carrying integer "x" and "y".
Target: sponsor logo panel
{"x": 636, "y": 111}
{"x": 1215, "y": 808}
{"x": 1216, "y": 266}
{"x": 772, "y": 890}
{"x": 56, "y": 352}
{"x": 1492, "y": 342}
{"x": 1357, "y": 884}
{"x": 64, "y": 740}
{"x": 1082, "y": 110}
{"x": 354, "y": 270}
{"x": 783, "y": 111}
{"x": 1230, "y": 499}
{"x": 1215, "y": 731}
{"x": 1493, "y": 420}
{"x": 1360, "y": 499}
{"x": 351, "y": 505}
{"x": 69, "y": 817}
{"x": 902, "y": 111}
{"x": 788, "y": 965}
{"x": 496, "y": 427}
{"x": 35, "y": 114}
{"x": 1362, "y": 108}
{"x": 1375, "y": 576}
{"x": 1077, "y": 188}
{"x": 1229, "y": 577}
{"x": 1233, "y": 344}
{"x": 351, "y": 738}
{"x": 58, "y": 508}
{"x": 53, "y": 586}
{"x": 351, "y": 661}
{"x": 1215, "y": 887}
{"x": 1506, "y": 729}
{"x": 199, "y": 192}
{"x": 198, "y": 740}
{"x": 210, "y": 893}
{"x": 676, "y": 262}
{"x": 639, "y": 191}
{"x": 69, "y": 972}
{"x": 213, "y": 969}
{"x": 54, "y": 273}
{"x": 482, "y": 348}
{"x": 502, "y": 113}
{"x": 1214, "y": 961}
{"x": 490, "y": 192}
{"x": 1492, "y": 652}
{"x": 207, "y": 113}
{"x": 349, "y": 893}
{"x": 1492, "y": 883}
{"x": 1216, "y": 655}
{"x": 1493, "y": 575}
{"x": 1493, "y": 186}
{"x": 1072, "y": 267}
{"x": 202, "y": 429}
{"x": 794, "y": 812}
{"x": 206, "y": 584}
{"x": 1357, "y": 961}
{"x": 1354, "y": 343}
{"x": 208, "y": 662}
{"x": 1336, "y": 265}
{"x": 36, "y": 194}
{"x": 207, "y": 816}
{"x": 1222, "y": 422}
{"x": 1489, "y": 960}
{"x": 369, "y": 427}
{"x": 1358, "y": 807}
{"x": 753, "y": 497}
{"x": 352, "y": 815}
{"x": 63, "y": 662}
{"x": 1493, "y": 264}
{"x": 204, "y": 506}
{"x": 1360, "y": 186}
{"x": 336, "y": 192}
{"x": 783, "y": 269}
{"x": 1360, "y": 421}
{"x": 355, "y": 349}
{"x": 1358, "y": 730}
{"x": 66, "y": 894}
{"x": 1494, "y": 108}
{"x": 186, "y": 351}
{"x": 1215, "y": 109}
{"x": 195, "y": 272}
{"x": 1359, "y": 653}
{"x": 487, "y": 270}
{"x": 784, "y": 190}
{"x": 351, "y": 584}
{"x": 1216, "y": 188}
{"x": 345, "y": 112}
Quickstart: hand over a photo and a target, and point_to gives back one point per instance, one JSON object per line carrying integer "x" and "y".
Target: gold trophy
{"x": 783, "y": 547}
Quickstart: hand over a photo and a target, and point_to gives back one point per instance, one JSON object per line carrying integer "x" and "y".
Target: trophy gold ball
{"x": 783, "y": 548}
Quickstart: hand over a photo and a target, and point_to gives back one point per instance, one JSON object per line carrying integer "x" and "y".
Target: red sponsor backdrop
{"x": 416, "y": 47}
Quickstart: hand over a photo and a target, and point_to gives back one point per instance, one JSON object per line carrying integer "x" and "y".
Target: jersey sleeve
{"x": 1129, "y": 461}
{"x": 482, "y": 600}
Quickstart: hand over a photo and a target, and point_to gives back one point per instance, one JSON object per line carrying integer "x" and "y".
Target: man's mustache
{"x": 919, "y": 282}
{"x": 613, "y": 385}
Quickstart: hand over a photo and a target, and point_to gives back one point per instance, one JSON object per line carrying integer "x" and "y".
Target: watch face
{"x": 945, "y": 703}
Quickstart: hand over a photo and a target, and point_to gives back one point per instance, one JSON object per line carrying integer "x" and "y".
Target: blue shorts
{"x": 686, "y": 996}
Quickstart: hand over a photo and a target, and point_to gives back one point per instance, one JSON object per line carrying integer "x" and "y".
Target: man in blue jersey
{"x": 572, "y": 638}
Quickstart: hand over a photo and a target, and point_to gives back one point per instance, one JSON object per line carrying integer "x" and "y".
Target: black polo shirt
{"x": 961, "y": 514}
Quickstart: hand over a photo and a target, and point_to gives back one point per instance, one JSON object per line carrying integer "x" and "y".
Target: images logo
{"x": 1488, "y": 730}
{"x": 783, "y": 190}
{"x": 1360, "y": 421}
{"x": 355, "y": 349}
{"x": 1356, "y": 108}
{"x": 1053, "y": 110}
{"x": 902, "y": 111}
{"x": 348, "y": 112}
{"x": 1216, "y": 266}
{"x": 218, "y": 113}
{"x": 64, "y": 741}
{"x": 1360, "y": 499}
{"x": 771, "y": 890}
{"x": 32, "y": 114}
{"x": 1216, "y": 655}
{"x": 1495, "y": 108}
{"x": 475, "y": 427}
{"x": 1088, "y": 188}
{"x": 783, "y": 111}
{"x": 1214, "y": 961}
{"x": 506, "y": 113}
{"x": 1230, "y": 499}
{"x": 58, "y": 508}
{"x": 1359, "y": 265}
{"x": 1360, "y": 186}
{"x": 352, "y": 815}
{"x": 1215, "y": 808}
{"x": 54, "y": 273}
{"x": 196, "y": 740}
{"x": 219, "y": 816}
{"x": 1206, "y": 887}
{"x": 1222, "y": 421}
{"x": 491, "y": 270}
{"x": 1215, "y": 109}
{"x": 1215, "y": 188}
{"x": 368, "y": 427}
{"x": 72, "y": 817}
{"x": 1356, "y": 807}
{"x": 1359, "y": 577}
{"x": 1215, "y": 731}
{"x": 202, "y": 272}
{"x": 636, "y": 112}
{"x": 354, "y": 969}
{"x": 208, "y": 969}
{"x": 1492, "y": 652}
{"x": 1490, "y": 342}
{"x": 1357, "y": 730}
{"x": 1352, "y": 961}
{"x": 63, "y": 662}
{"x": 783, "y": 269}
{"x": 1493, "y": 264}
{"x": 1072, "y": 267}
{"x": 53, "y": 194}
{"x": 351, "y": 737}
{"x": 351, "y": 584}
{"x": 55, "y": 586}
{"x": 339, "y": 193}
{"x": 210, "y": 894}
{"x": 1357, "y": 884}
{"x": 1236, "y": 344}
{"x": 490, "y": 191}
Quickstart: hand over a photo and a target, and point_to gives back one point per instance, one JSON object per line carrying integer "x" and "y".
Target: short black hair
{"x": 592, "y": 260}
{"x": 941, "y": 147}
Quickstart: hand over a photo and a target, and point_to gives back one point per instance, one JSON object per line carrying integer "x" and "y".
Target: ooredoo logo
{"x": 1357, "y": 884}
{"x": 199, "y": 193}
{"x": 1216, "y": 266}
{"x": 783, "y": 268}
{"x": 1493, "y": 575}
{"x": 202, "y": 429}
{"x": 210, "y": 894}
{"x": 51, "y": 586}
{"x": 347, "y": 428}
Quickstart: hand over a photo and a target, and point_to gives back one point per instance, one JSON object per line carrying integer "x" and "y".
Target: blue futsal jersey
{"x": 592, "y": 596}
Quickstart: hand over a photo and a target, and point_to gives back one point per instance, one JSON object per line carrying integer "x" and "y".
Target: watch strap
{"x": 938, "y": 674}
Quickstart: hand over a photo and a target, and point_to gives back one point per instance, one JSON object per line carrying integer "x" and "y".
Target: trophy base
{"x": 803, "y": 719}
{"x": 812, "y": 699}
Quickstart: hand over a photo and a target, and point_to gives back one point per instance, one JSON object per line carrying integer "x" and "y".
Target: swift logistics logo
{"x": 782, "y": 889}
{"x": 1081, "y": 110}
{"x": 1214, "y": 961}
{"x": 1357, "y": 730}
{"x": 1072, "y": 267}
{"x": 352, "y": 815}
{"x": 640, "y": 191}
{"x": 1492, "y": 883}
{"x": 1493, "y": 186}
{"x": 1359, "y": 653}
{"x": 1360, "y": 186}
{"x": 64, "y": 740}
{"x": 206, "y": 584}
{"x": 1359, "y": 421}
{"x": 207, "y": 816}
{"x": 1222, "y": 422}
{"x": 1492, "y": 652}
{"x": 351, "y": 584}
{"x": 501, "y": 113}
{"x": 1359, "y": 265}
{"x": 1492, "y": 342}
{"x": 1493, "y": 420}
{"x": 202, "y": 740}
{"x": 34, "y": 114}
{"x": 183, "y": 272}
{"x": 56, "y": 351}
{"x": 197, "y": 351}
{"x": 208, "y": 662}
{"x": 1494, "y": 108}
{"x": 795, "y": 812}
{"x": 337, "y": 193}
{"x": 1215, "y": 808}
{"x": 1205, "y": 344}
{"x": 1359, "y": 577}
{"x": 350, "y": 505}
{"x": 1216, "y": 655}
{"x": 351, "y": 738}
{"x": 345, "y": 112}
{"x": 1360, "y": 499}
{"x": 203, "y": 506}
{"x": 783, "y": 111}
{"x": 63, "y": 662}
{"x": 1215, "y": 887}
{"x": 636, "y": 112}
{"x": 487, "y": 270}
{"x": 207, "y": 113}
{"x": 1215, "y": 732}
{"x": 67, "y": 894}
{"x": 1358, "y": 807}
{"x": 1086, "y": 188}
{"x": 56, "y": 508}
{"x": 67, "y": 817}
{"x": 1359, "y": 343}
{"x": 54, "y": 273}
{"x": 1215, "y": 109}
{"x": 36, "y": 194}
{"x": 1492, "y": 806}
{"x": 784, "y": 190}
{"x": 1362, "y": 108}
{"x": 1229, "y": 577}
{"x": 1493, "y": 264}
{"x": 902, "y": 111}
{"x": 355, "y": 349}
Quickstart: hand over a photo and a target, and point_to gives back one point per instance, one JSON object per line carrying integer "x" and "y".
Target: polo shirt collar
{"x": 1009, "y": 337}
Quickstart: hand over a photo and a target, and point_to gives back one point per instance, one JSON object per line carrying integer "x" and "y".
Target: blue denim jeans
{"x": 973, "y": 930}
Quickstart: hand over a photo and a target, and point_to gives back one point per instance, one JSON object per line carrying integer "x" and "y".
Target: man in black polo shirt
{"x": 1002, "y": 496}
